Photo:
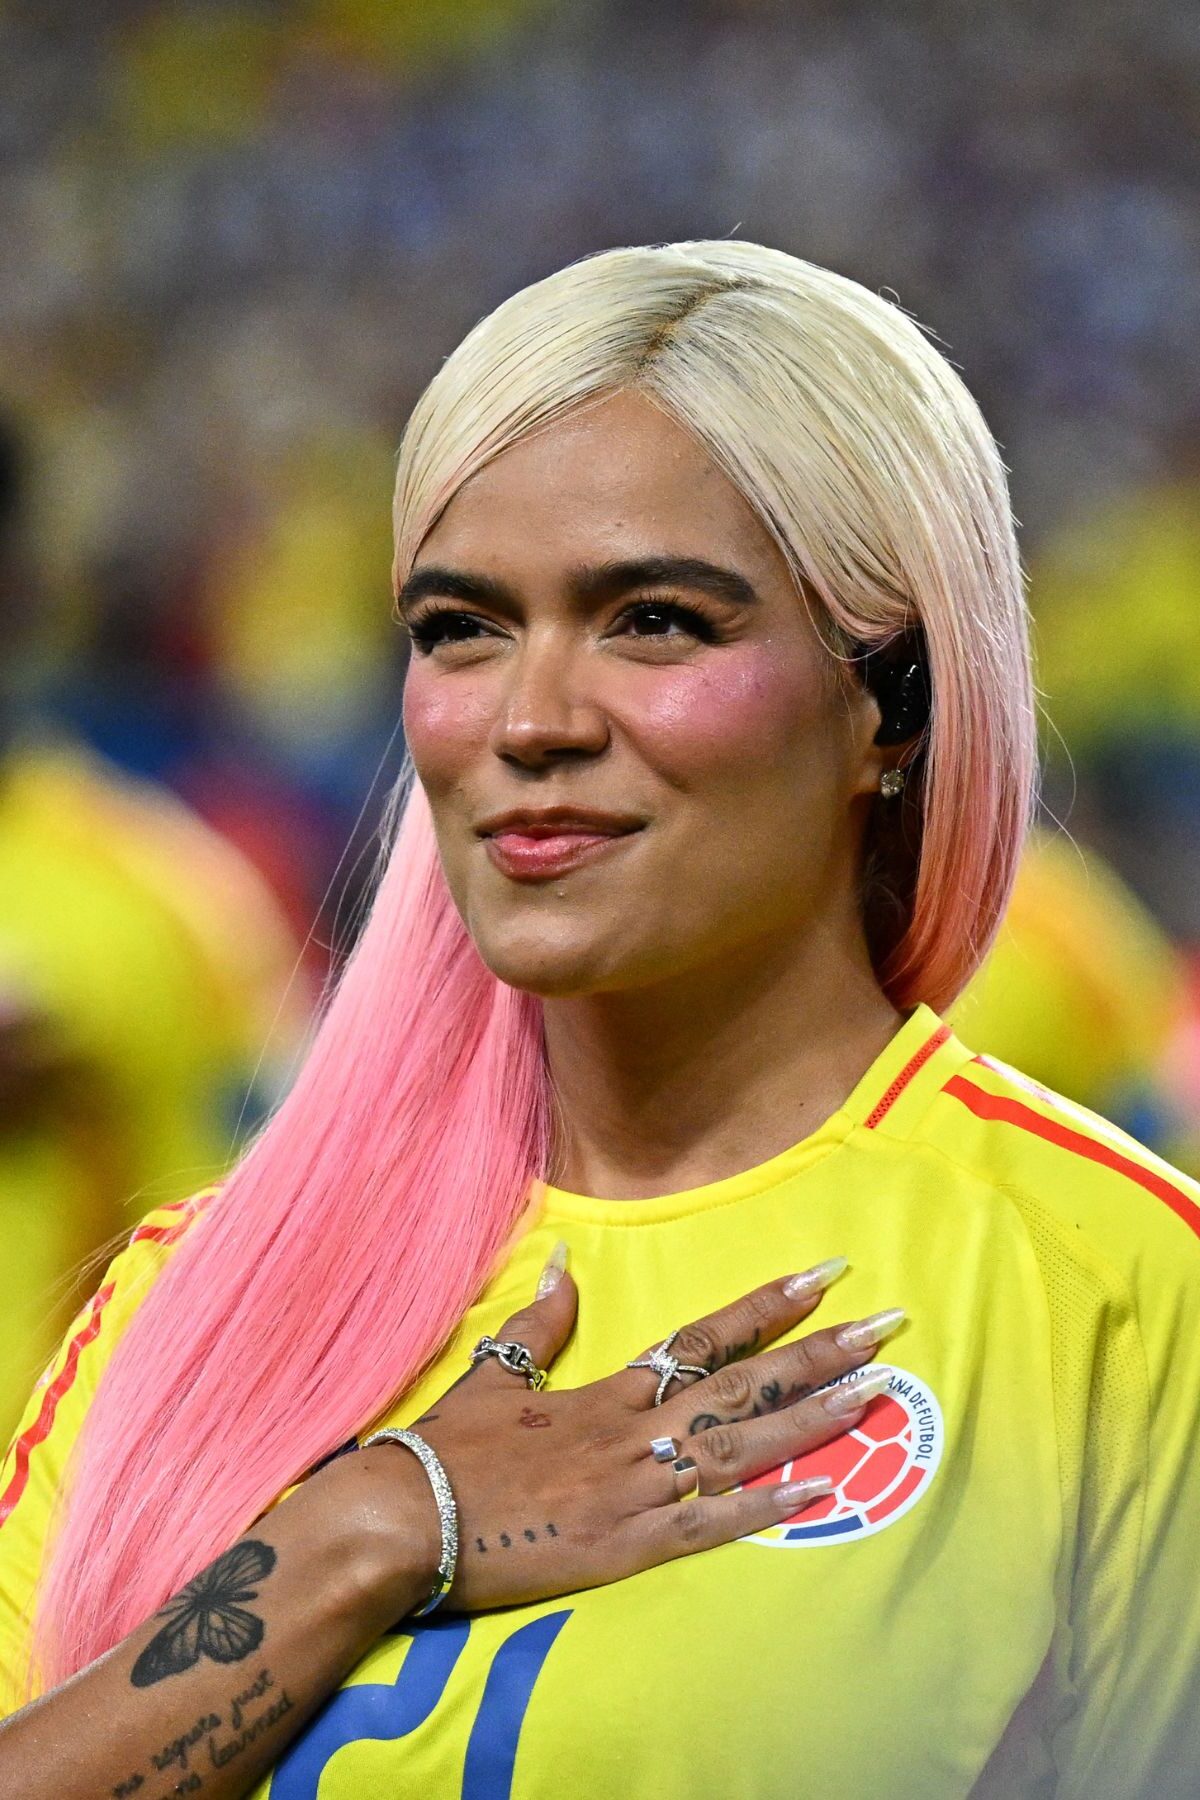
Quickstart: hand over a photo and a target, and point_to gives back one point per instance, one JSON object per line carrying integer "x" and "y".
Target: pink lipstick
{"x": 523, "y": 857}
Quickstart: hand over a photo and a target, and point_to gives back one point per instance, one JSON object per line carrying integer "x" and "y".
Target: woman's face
{"x": 601, "y": 625}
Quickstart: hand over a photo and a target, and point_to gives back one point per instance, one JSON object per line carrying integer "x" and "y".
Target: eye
{"x": 444, "y": 625}
{"x": 655, "y": 618}
{"x": 655, "y": 621}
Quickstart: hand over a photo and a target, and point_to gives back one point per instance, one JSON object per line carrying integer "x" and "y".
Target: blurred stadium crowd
{"x": 237, "y": 237}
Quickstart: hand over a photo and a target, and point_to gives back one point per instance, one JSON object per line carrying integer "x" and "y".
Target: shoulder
{"x": 60, "y": 1397}
{"x": 1080, "y": 1168}
{"x": 31, "y": 1475}
{"x": 1114, "y": 1228}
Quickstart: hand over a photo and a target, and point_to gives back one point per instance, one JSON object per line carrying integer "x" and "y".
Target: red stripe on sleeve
{"x": 911, "y": 1068}
{"x": 40, "y": 1430}
{"x": 1014, "y": 1112}
{"x": 159, "y": 1234}
{"x": 167, "y": 1234}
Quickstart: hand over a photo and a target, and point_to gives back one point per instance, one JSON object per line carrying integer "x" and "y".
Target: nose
{"x": 547, "y": 712}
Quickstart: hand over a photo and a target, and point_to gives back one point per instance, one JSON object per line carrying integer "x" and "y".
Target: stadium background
{"x": 237, "y": 237}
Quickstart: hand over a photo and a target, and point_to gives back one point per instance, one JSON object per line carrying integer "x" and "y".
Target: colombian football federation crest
{"x": 880, "y": 1469}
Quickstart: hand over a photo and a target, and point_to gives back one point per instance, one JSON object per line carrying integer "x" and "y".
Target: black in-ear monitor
{"x": 899, "y": 680}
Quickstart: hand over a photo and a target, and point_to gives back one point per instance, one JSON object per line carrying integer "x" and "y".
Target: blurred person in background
{"x": 1117, "y": 590}
{"x": 1085, "y": 992}
{"x": 147, "y": 1004}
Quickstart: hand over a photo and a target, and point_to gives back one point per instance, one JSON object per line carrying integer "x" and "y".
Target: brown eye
{"x": 655, "y": 618}
{"x": 443, "y": 625}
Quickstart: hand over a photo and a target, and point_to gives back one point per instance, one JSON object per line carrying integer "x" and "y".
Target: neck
{"x": 713, "y": 1071}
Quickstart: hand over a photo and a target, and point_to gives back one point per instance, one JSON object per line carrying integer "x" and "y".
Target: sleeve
{"x": 1133, "y": 1643}
{"x": 32, "y": 1470}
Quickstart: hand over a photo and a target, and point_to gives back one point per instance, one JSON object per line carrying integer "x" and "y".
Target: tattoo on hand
{"x": 732, "y": 1352}
{"x": 772, "y": 1395}
{"x": 208, "y": 1617}
{"x": 505, "y": 1540}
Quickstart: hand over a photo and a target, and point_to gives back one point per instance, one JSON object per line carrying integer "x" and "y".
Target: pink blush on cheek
{"x": 443, "y": 719}
{"x": 735, "y": 705}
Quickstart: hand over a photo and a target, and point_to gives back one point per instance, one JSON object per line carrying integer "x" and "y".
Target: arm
{"x": 205, "y": 1701}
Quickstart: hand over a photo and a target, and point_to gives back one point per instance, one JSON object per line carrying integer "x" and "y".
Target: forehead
{"x": 613, "y": 478}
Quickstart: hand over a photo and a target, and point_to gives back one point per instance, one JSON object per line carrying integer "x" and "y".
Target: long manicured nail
{"x": 868, "y": 1332}
{"x": 552, "y": 1274}
{"x": 794, "y": 1494}
{"x": 853, "y": 1395}
{"x": 816, "y": 1279}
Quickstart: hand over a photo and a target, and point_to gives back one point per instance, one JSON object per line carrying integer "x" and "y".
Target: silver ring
{"x": 664, "y": 1449}
{"x": 687, "y": 1478}
{"x": 666, "y": 1367}
{"x": 515, "y": 1357}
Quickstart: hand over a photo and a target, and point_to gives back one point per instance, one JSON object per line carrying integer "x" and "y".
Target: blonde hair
{"x": 871, "y": 465}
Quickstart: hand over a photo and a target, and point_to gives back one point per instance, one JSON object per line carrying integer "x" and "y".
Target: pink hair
{"x": 345, "y": 1248}
{"x": 336, "y": 1260}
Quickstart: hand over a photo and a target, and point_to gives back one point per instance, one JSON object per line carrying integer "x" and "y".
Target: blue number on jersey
{"x": 386, "y": 1711}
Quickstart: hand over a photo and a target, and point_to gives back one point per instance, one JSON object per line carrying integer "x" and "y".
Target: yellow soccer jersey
{"x": 1000, "y": 1599}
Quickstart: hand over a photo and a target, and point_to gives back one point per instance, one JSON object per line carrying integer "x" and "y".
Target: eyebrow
{"x": 595, "y": 582}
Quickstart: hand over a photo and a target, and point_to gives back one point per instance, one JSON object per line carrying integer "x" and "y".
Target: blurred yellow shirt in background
{"x": 156, "y": 966}
{"x": 1085, "y": 992}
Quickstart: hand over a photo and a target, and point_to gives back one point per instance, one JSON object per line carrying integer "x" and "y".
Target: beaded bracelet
{"x": 447, "y": 1510}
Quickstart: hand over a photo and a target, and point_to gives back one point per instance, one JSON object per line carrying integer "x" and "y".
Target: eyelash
{"x": 428, "y": 629}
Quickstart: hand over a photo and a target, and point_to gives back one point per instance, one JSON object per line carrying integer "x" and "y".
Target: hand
{"x": 558, "y": 1490}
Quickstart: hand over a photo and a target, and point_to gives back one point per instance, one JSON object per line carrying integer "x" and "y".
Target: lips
{"x": 541, "y": 852}
{"x": 552, "y": 821}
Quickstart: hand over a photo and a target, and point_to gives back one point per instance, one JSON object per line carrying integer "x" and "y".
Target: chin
{"x": 536, "y": 964}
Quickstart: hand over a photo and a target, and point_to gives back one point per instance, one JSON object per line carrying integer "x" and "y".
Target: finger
{"x": 779, "y": 1377}
{"x": 543, "y": 1326}
{"x": 727, "y": 1454}
{"x": 736, "y": 1330}
{"x": 682, "y": 1527}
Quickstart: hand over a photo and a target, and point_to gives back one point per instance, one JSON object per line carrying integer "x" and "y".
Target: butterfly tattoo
{"x": 207, "y": 1617}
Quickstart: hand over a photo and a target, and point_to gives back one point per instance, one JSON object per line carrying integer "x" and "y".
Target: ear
{"x": 894, "y": 689}
{"x": 867, "y": 759}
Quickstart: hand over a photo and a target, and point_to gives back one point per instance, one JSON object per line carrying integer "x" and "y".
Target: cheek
{"x": 748, "y": 706}
{"x": 445, "y": 723}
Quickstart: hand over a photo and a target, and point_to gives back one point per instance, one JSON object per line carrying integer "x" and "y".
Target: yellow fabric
{"x": 161, "y": 963}
{"x": 1029, "y": 1626}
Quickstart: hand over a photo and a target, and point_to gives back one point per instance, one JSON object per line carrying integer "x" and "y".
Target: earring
{"x": 891, "y": 783}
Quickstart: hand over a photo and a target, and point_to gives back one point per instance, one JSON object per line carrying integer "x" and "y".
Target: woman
{"x": 721, "y": 715}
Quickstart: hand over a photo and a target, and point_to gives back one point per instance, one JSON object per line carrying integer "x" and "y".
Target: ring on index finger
{"x": 666, "y": 1366}
{"x": 515, "y": 1357}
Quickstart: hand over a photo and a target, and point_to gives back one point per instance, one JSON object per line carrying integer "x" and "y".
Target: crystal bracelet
{"x": 447, "y": 1510}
